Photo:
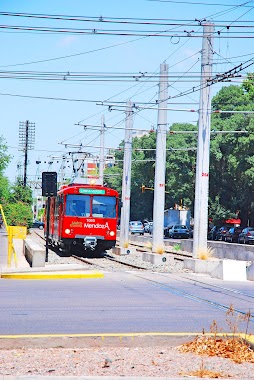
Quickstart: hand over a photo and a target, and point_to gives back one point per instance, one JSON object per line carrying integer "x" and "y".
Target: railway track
{"x": 210, "y": 299}
{"x": 194, "y": 294}
{"x": 106, "y": 261}
{"x": 200, "y": 291}
{"x": 107, "y": 258}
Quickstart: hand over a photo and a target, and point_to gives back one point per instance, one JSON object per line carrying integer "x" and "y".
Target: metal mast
{"x": 160, "y": 164}
{"x": 203, "y": 149}
{"x": 126, "y": 183}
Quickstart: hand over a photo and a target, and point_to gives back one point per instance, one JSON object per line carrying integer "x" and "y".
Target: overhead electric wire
{"x": 119, "y": 20}
{"x": 200, "y": 3}
{"x": 155, "y": 33}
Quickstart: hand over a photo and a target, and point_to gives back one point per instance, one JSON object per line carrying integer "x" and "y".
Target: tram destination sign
{"x": 91, "y": 191}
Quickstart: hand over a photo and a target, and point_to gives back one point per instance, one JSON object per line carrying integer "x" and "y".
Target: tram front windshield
{"x": 79, "y": 205}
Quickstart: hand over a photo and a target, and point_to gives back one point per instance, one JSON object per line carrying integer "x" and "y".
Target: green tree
{"x": 18, "y": 214}
{"x": 20, "y": 193}
{"x": 232, "y": 154}
{"x": 4, "y": 156}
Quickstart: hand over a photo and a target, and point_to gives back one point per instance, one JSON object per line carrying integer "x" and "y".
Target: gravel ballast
{"x": 117, "y": 361}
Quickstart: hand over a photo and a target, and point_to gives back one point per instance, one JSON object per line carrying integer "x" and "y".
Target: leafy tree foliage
{"x": 18, "y": 205}
{"x": 232, "y": 154}
{"x": 18, "y": 214}
{"x": 19, "y": 193}
{"x": 4, "y": 157}
{"x": 17, "y": 199}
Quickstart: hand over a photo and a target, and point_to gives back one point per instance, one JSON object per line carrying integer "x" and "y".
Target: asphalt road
{"x": 121, "y": 302}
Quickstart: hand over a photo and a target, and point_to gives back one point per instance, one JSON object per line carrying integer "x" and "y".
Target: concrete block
{"x": 250, "y": 272}
{"x": 230, "y": 270}
{"x": 156, "y": 258}
{"x": 201, "y": 266}
{"x": 35, "y": 254}
{"x": 123, "y": 251}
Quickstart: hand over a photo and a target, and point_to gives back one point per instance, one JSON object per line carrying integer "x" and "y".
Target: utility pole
{"x": 203, "y": 148}
{"x": 160, "y": 163}
{"x": 101, "y": 164}
{"x": 26, "y": 142}
{"x": 126, "y": 182}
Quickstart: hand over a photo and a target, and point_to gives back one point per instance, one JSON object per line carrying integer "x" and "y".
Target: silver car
{"x": 137, "y": 227}
{"x": 246, "y": 236}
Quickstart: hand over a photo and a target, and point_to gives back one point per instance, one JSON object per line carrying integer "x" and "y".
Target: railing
{"x": 13, "y": 232}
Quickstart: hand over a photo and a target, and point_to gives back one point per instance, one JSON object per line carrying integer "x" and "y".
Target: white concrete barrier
{"x": 156, "y": 258}
{"x": 201, "y": 266}
{"x": 250, "y": 272}
{"x": 123, "y": 251}
{"x": 35, "y": 254}
{"x": 230, "y": 270}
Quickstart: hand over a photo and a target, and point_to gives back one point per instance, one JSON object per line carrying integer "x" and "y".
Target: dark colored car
{"x": 246, "y": 236}
{"x": 232, "y": 234}
{"x": 177, "y": 231}
{"x": 38, "y": 224}
{"x": 222, "y": 232}
{"x": 212, "y": 234}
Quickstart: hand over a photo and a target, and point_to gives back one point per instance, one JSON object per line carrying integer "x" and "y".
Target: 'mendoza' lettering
{"x": 97, "y": 225}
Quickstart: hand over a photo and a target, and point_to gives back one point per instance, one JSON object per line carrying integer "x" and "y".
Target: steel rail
{"x": 197, "y": 282}
{"x": 193, "y": 297}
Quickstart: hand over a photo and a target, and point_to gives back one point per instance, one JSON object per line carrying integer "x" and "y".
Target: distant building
{"x": 140, "y": 134}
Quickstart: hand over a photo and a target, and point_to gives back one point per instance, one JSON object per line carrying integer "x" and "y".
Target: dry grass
{"x": 206, "y": 254}
{"x": 233, "y": 347}
{"x": 160, "y": 249}
{"x": 205, "y": 373}
{"x": 148, "y": 245}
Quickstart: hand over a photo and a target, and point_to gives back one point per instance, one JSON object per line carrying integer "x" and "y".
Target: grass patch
{"x": 206, "y": 254}
{"x": 177, "y": 247}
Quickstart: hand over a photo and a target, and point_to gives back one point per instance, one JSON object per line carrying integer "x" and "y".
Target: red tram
{"x": 83, "y": 217}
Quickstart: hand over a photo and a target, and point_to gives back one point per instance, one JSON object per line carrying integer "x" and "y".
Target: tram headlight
{"x": 67, "y": 231}
{"x": 112, "y": 233}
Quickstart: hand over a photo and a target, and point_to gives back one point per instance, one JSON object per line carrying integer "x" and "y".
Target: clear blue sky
{"x": 108, "y": 54}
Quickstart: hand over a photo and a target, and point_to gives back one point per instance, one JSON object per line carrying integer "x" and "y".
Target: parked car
{"x": 38, "y": 224}
{"x": 212, "y": 234}
{"x": 137, "y": 227}
{"x": 246, "y": 236}
{"x": 221, "y": 232}
{"x": 177, "y": 231}
{"x": 147, "y": 226}
{"x": 232, "y": 234}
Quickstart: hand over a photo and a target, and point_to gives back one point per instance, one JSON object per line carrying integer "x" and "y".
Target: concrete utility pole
{"x": 160, "y": 164}
{"x": 126, "y": 183}
{"x": 101, "y": 164}
{"x": 203, "y": 149}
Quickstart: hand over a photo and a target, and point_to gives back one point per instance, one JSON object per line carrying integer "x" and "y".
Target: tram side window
{"x": 77, "y": 205}
{"x": 104, "y": 207}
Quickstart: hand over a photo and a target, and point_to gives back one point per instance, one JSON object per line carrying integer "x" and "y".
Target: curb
{"x": 51, "y": 276}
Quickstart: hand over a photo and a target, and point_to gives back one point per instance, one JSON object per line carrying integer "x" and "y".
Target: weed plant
{"x": 231, "y": 346}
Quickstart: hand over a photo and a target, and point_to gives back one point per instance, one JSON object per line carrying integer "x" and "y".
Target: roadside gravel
{"x": 117, "y": 361}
